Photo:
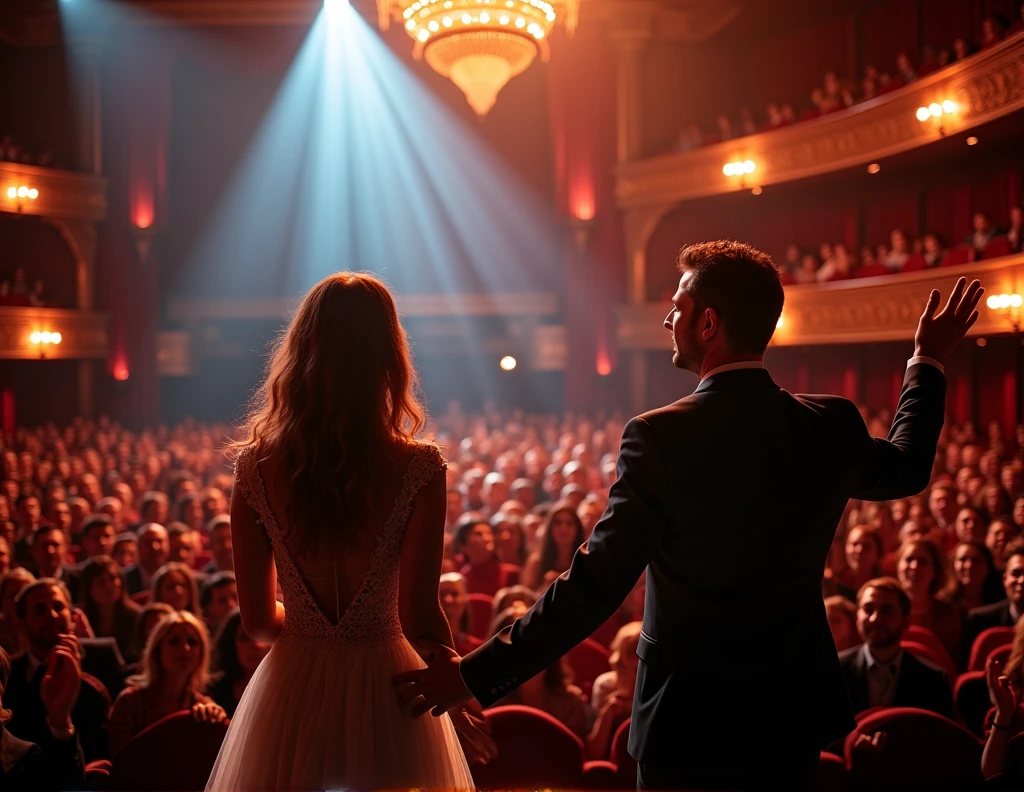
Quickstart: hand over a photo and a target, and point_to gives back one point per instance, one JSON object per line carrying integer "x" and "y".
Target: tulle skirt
{"x": 326, "y": 717}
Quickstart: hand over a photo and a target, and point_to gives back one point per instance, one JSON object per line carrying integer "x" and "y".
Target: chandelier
{"x": 479, "y": 44}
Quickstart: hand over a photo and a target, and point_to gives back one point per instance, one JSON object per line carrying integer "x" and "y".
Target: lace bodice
{"x": 372, "y": 616}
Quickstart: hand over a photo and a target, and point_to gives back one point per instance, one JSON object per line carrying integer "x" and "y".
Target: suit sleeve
{"x": 901, "y": 465}
{"x": 603, "y": 572}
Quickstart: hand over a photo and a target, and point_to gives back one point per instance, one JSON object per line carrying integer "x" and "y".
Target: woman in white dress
{"x": 335, "y": 496}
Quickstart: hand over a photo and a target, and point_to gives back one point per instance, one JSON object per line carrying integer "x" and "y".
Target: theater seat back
{"x": 534, "y": 750}
{"x": 588, "y": 660}
{"x": 175, "y": 753}
{"x": 480, "y": 607}
{"x": 986, "y": 642}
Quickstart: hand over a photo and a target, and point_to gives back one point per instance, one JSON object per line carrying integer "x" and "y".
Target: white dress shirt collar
{"x": 743, "y": 364}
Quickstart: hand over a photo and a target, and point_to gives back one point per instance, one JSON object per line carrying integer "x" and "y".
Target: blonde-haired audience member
{"x": 612, "y": 696}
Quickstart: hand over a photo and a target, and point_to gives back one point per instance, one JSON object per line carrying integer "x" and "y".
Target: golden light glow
{"x": 1002, "y": 302}
{"x": 936, "y": 110}
{"x": 45, "y": 337}
{"x": 972, "y": 141}
{"x": 780, "y": 323}
{"x": 508, "y": 363}
{"x": 874, "y": 167}
{"x": 757, "y": 190}
{"x": 14, "y": 192}
{"x": 739, "y": 168}
{"x": 476, "y": 47}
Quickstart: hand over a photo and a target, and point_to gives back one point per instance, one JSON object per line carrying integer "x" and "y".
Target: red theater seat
{"x": 970, "y": 695}
{"x": 923, "y": 635}
{"x": 961, "y": 254}
{"x": 480, "y": 607}
{"x": 534, "y": 750}
{"x": 985, "y": 643}
{"x": 588, "y": 660}
{"x": 832, "y": 774}
{"x": 914, "y": 264}
{"x": 997, "y": 246}
{"x": 908, "y": 757}
{"x": 872, "y": 271}
{"x": 625, "y": 763}
{"x": 923, "y": 652}
{"x": 142, "y": 597}
{"x": 145, "y": 763}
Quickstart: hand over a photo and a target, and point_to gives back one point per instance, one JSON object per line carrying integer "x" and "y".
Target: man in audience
{"x": 983, "y": 233}
{"x": 942, "y": 506}
{"x": 218, "y": 598}
{"x": 126, "y": 549}
{"x": 219, "y": 530}
{"x": 114, "y": 509}
{"x": 57, "y": 763}
{"x": 59, "y": 514}
{"x": 154, "y": 549}
{"x": 182, "y": 544}
{"x": 495, "y": 493}
{"x": 1004, "y": 613}
{"x": 49, "y": 552}
{"x": 152, "y": 509}
{"x": 880, "y": 673}
{"x": 98, "y": 536}
{"x": 44, "y": 613}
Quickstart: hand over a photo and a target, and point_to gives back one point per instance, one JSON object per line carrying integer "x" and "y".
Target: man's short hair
{"x": 149, "y": 498}
{"x": 217, "y": 521}
{"x": 742, "y": 284}
{"x": 94, "y": 520}
{"x": 214, "y": 583}
{"x": 45, "y": 528}
{"x": 1016, "y": 546}
{"x": 21, "y": 598}
{"x": 890, "y": 585}
{"x": 177, "y": 529}
{"x": 127, "y": 536}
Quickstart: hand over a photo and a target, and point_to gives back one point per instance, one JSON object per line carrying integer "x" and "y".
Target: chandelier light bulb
{"x": 1016, "y": 301}
{"x": 949, "y": 106}
{"x": 423, "y": 35}
{"x": 748, "y": 166}
{"x": 447, "y": 21}
{"x": 520, "y": 22}
{"x": 410, "y": 25}
{"x": 485, "y": 18}
{"x": 503, "y": 19}
{"x": 1004, "y": 300}
{"x": 35, "y": 338}
{"x": 935, "y": 109}
{"x": 56, "y": 338}
{"x": 466, "y": 19}
{"x": 992, "y": 302}
{"x": 923, "y": 114}
{"x": 23, "y": 192}
{"x": 33, "y": 193}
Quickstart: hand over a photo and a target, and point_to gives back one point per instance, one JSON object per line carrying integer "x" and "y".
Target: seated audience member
{"x": 188, "y": 511}
{"x": 175, "y": 671}
{"x": 6, "y": 555}
{"x": 149, "y": 617}
{"x": 113, "y": 508}
{"x": 1005, "y": 612}
{"x": 880, "y": 673}
{"x": 612, "y": 696}
{"x": 182, "y": 546}
{"x": 922, "y": 574}
{"x": 905, "y": 69}
{"x": 98, "y": 537}
{"x": 474, "y": 540}
{"x": 517, "y": 596}
{"x": 454, "y": 598}
{"x": 899, "y": 250}
{"x": 724, "y": 126}
{"x": 563, "y": 534}
{"x": 976, "y": 581}
{"x": 44, "y": 611}
{"x": 863, "y": 556}
{"x": 524, "y": 491}
{"x": 774, "y": 116}
{"x": 968, "y": 526}
{"x": 746, "y": 125}
{"x": 153, "y": 549}
{"x": 788, "y": 114}
{"x": 153, "y": 508}
{"x": 126, "y": 550}
{"x": 12, "y": 636}
{"x": 219, "y": 530}
{"x": 842, "y": 622}
{"x": 1015, "y": 233}
{"x": 932, "y": 250}
{"x": 510, "y": 539}
{"x": 551, "y": 691}
{"x": 56, "y": 763}
{"x": 49, "y": 551}
{"x": 1006, "y": 718}
{"x": 991, "y": 32}
{"x": 173, "y": 583}
{"x": 808, "y": 272}
{"x": 984, "y": 232}
{"x": 1018, "y": 517}
{"x": 106, "y": 603}
{"x": 218, "y": 598}
{"x": 236, "y": 657}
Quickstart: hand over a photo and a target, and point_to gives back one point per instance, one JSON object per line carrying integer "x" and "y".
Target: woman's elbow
{"x": 263, "y": 630}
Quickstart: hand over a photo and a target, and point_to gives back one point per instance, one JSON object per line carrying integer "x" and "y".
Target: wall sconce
{"x": 582, "y": 228}
{"x": 143, "y": 236}
{"x": 43, "y": 340}
{"x": 740, "y": 168}
{"x": 935, "y": 113}
{"x": 1007, "y": 306}
{"x": 21, "y": 193}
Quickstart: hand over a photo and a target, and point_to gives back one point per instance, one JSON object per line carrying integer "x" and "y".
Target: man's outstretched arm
{"x": 603, "y": 572}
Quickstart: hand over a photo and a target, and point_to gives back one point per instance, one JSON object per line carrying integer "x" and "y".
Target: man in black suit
{"x": 56, "y": 763}
{"x": 880, "y": 673}
{"x": 1004, "y": 613}
{"x": 730, "y": 499}
{"x": 49, "y": 558}
{"x": 154, "y": 550}
{"x": 45, "y": 615}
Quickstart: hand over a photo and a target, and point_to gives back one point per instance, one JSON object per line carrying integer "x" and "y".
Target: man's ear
{"x": 710, "y": 324}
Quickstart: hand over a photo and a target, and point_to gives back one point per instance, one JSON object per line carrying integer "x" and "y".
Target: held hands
{"x": 436, "y": 688}
{"x": 1000, "y": 692}
{"x": 937, "y": 335}
{"x": 474, "y": 732}
{"x": 61, "y": 682}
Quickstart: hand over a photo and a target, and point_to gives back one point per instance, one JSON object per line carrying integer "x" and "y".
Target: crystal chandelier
{"x": 479, "y": 44}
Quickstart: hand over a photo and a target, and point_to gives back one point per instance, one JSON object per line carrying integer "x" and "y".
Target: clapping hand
{"x": 937, "y": 335}
{"x": 1000, "y": 691}
{"x": 61, "y": 682}
{"x": 436, "y": 688}
{"x": 209, "y": 713}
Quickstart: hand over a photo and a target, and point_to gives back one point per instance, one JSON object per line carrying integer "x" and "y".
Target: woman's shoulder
{"x": 129, "y": 698}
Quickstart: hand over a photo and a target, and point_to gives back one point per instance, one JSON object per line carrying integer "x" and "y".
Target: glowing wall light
{"x": 45, "y": 338}
{"x": 508, "y": 363}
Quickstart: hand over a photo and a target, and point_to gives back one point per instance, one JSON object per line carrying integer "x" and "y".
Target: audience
{"x": 976, "y": 581}
{"x": 922, "y": 575}
{"x": 175, "y": 671}
{"x": 483, "y": 572}
{"x": 1006, "y": 718}
{"x": 173, "y": 583}
{"x": 842, "y": 622}
{"x": 219, "y": 596}
{"x": 881, "y": 673}
{"x": 563, "y": 534}
{"x": 1007, "y": 611}
{"x": 612, "y": 695}
{"x": 153, "y": 551}
{"x": 106, "y": 604}
{"x": 454, "y": 600}
{"x": 236, "y": 657}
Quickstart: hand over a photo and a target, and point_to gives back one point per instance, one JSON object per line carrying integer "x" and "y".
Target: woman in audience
{"x": 1018, "y": 514}
{"x": 236, "y": 657}
{"x": 842, "y": 621}
{"x": 1015, "y": 233}
{"x": 106, "y": 604}
{"x": 175, "y": 671}
{"x": 510, "y": 540}
{"x": 899, "y": 251}
{"x": 483, "y": 572}
{"x": 149, "y": 618}
{"x": 808, "y": 272}
{"x": 513, "y": 596}
{"x": 12, "y": 639}
{"x": 933, "y": 251}
{"x": 923, "y": 576}
{"x": 550, "y": 691}
{"x": 1000, "y": 533}
{"x": 863, "y": 556}
{"x": 563, "y": 534}
{"x": 454, "y": 602}
{"x": 173, "y": 583}
{"x": 1006, "y": 718}
{"x": 995, "y": 500}
{"x": 975, "y": 580}
{"x": 612, "y": 696}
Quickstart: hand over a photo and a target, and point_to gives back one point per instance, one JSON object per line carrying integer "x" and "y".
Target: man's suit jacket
{"x": 133, "y": 580}
{"x": 730, "y": 498}
{"x": 24, "y": 766}
{"x": 980, "y": 619}
{"x": 920, "y": 684}
{"x": 89, "y": 714}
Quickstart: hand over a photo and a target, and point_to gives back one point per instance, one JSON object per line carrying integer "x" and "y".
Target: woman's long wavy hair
{"x": 338, "y": 397}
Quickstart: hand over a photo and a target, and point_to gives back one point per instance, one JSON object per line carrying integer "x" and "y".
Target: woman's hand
{"x": 209, "y": 713}
{"x": 1000, "y": 692}
{"x": 474, "y": 732}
